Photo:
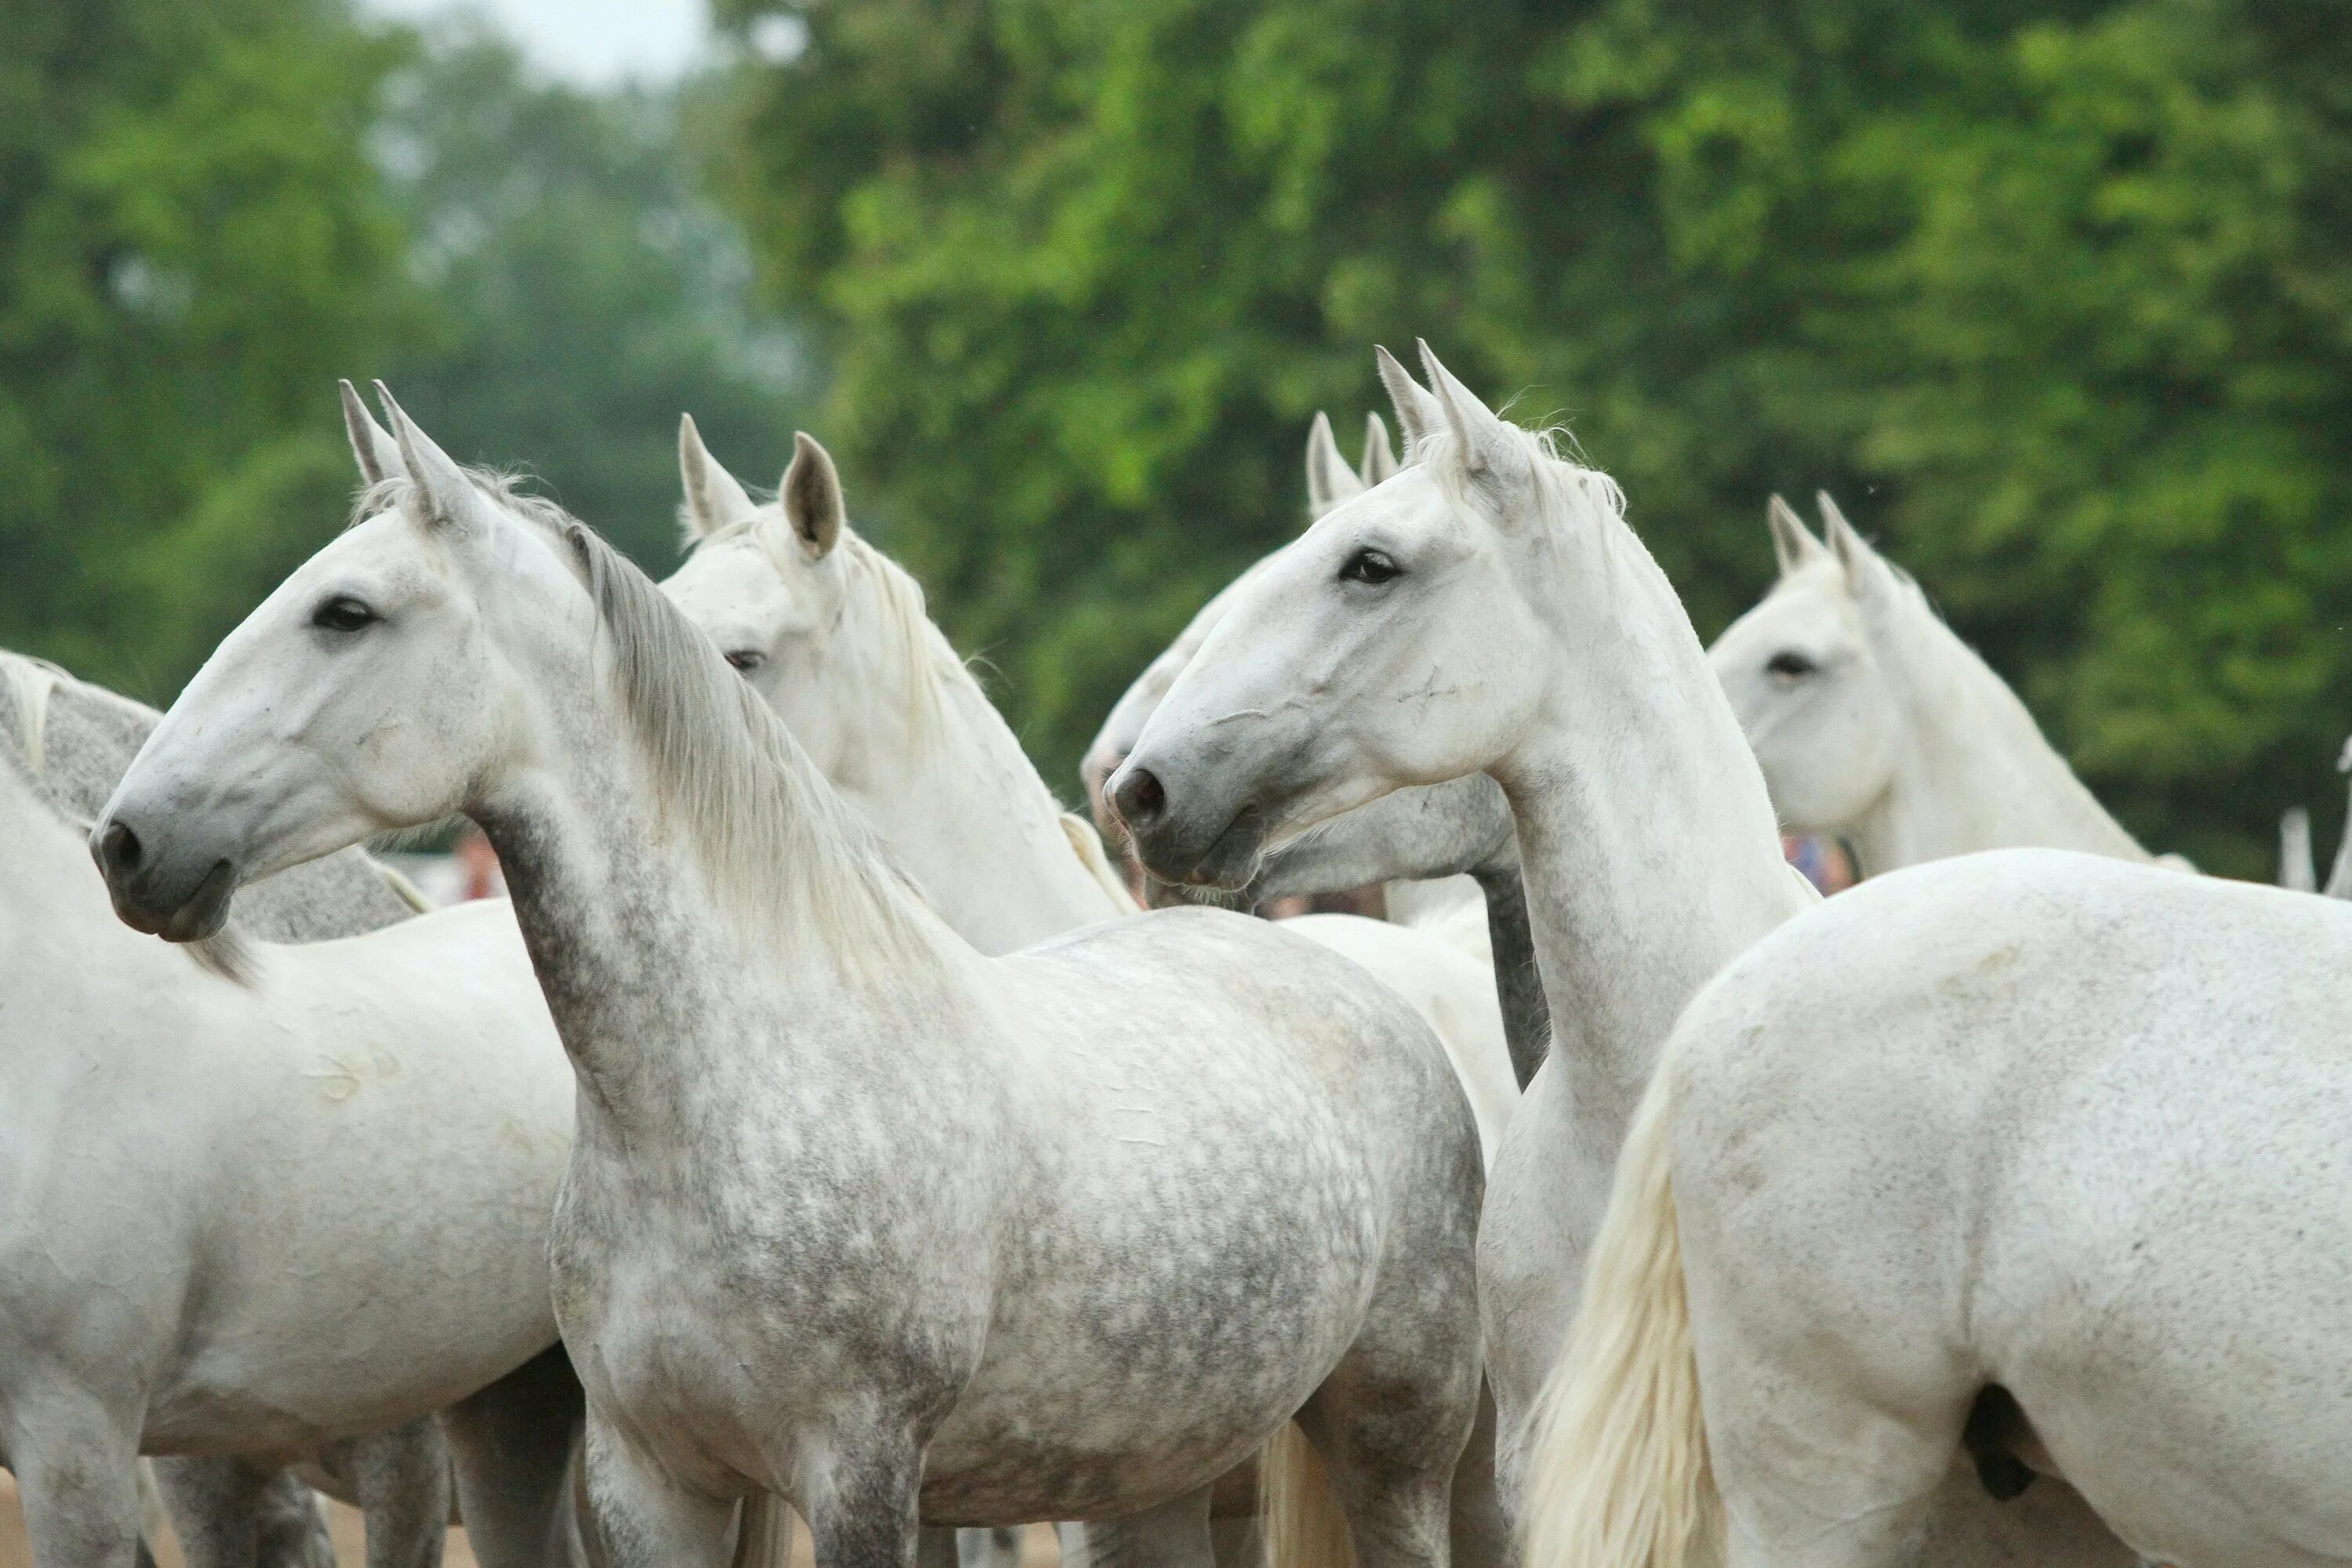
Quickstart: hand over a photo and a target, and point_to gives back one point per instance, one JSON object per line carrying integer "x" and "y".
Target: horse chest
{"x": 757, "y": 1308}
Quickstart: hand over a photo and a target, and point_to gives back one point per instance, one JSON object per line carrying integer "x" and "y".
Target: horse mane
{"x": 780, "y": 851}
{"x": 935, "y": 680}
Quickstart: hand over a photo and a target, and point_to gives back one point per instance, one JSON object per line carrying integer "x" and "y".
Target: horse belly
{"x": 1127, "y": 1363}
{"x": 389, "y": 1259}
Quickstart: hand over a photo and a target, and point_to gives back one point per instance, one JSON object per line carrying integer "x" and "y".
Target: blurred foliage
{"x": 210, "y": 209}
{"x": 587, "y": 295}
{"x": 2057, "y": 297}
{"x": 192, "y": 243}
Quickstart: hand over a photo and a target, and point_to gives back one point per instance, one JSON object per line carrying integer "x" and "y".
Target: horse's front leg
{"x": 76, "y": 1464}
{"x": 862, "y": 1508}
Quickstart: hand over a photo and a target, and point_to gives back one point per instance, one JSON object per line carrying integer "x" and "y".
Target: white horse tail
{"x": 1616, "y": 1466}
{"x": 1304, "y": 1525}
{"x": 764, "y": 1532}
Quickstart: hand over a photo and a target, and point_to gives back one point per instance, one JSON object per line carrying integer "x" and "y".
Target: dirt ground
{"x": 1038, "y": 1549}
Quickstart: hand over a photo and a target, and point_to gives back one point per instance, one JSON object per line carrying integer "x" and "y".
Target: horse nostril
{"x": 118, "y": 850}
{"x": 1140, "y": 796}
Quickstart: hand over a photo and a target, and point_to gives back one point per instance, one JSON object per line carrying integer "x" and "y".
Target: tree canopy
{"x": 211, "y": 209}
{"x": 2054, "y": 295}
{"x": 2057, "y": 298}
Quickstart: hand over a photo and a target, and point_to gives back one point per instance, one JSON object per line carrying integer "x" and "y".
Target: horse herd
{"x": 823, "y": 1122}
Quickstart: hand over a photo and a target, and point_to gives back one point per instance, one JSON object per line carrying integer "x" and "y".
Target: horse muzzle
{"x": 1194, "y": 842}
{"x": 180, "y": 897}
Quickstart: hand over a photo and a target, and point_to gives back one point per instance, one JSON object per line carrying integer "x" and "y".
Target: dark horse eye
{"x": 342, "y": 614}
{"x": 747, "y": 660}
{"x": 1370, "y": 566}
{"x": 1789, "y": 665}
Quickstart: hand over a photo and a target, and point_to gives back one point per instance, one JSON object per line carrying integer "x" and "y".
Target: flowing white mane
{"x": 29, "y": 681}
{"x": 1568, "y": 495}
{"x": 776, "y": 846}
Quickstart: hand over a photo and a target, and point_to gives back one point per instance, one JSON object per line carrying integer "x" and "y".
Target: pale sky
{"x": 593, "y": 43}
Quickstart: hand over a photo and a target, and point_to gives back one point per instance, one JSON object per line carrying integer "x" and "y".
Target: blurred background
{"x": 2055, "y": 297}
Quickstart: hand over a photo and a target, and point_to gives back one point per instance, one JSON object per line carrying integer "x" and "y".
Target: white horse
{"x": 1447, "y": 901}
{"x": 73, "y": 740}
{"x": 856, "y": 1215}
{"x": 268, "y": 1208}
{"x": 1487, "y": 610}
{"x": 1874, "y": 722}
{"x": 833, "y": 636}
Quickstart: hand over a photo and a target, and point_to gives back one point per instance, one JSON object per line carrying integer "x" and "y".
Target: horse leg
{"x": 400, "y": 1477}
{"x": 1478, "y": 1533}
{"x": 862, "y": 1507}
{"x": 77, "y": 1467}
{"x": 290, "y": 1527}
{"x": 1072, "y": 1535}
{"x": 994, "y": 1548}
{"x": 638, "y": 1517}
{"x": 229, "y": 1512}
{"x": 1392, "y": 1420}
{"x": 1173, "y": 1535}
{"x": 513, "y": 1444}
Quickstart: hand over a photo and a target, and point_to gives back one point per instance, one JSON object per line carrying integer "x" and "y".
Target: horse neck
{"x": 949, "y": 789}
{"x": 1650, "y": 854}
{"x": 663, "y": 993}
{"x": 1972, "y": 770}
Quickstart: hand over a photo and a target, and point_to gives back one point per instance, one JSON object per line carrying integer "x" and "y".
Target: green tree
{"x": 587, "y": 295}
{"x": 192, "y": 243}
{"x": 2052, "y": 294}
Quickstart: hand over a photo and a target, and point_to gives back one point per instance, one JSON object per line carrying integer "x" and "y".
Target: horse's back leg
{"x": 1173, "y": 1535}
{"x": 513, "y": 1445}
{"x": 1479, "y": 1531}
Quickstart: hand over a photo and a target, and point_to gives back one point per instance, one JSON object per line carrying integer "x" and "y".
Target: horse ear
{"x": 1859, "y": 562}
{"x": 1330, "y": 481}
{"x": 1488, "y": 448}
{"x": 2339, "y": 876}
{"x": 1418, "y": 415}
{"x": 1794, "y": 544}
{"x": 812, "y": 496}
{"x": 2297, "y": 873}
{"x": 1380, "y": 458}
{"x": 713, "y": 498}
{"x": 377, "y": 455}
{"x": 441, "y": 488}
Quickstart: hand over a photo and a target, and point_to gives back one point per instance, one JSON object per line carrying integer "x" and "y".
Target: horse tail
{"x": 1305, "y": 1526}
{"x": 1616, "y": 1463}
{"x": 764, "y": 1532}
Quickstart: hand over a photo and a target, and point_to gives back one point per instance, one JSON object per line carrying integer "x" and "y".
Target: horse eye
{"x": 1370, "y": 566}
{"x": 342, "y": 614}
{"x": 1790, "y": 664}
{"x": 747, "y": 660}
